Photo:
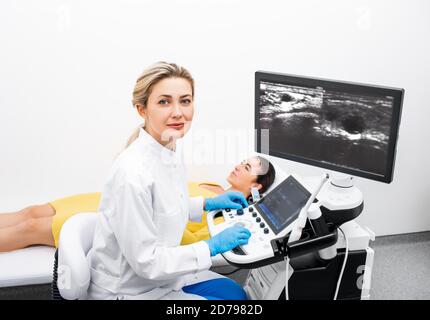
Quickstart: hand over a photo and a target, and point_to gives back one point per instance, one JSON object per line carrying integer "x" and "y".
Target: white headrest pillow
{"x": 280, "y": 174}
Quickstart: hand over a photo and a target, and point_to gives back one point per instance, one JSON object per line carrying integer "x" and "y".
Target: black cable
{"x": 229, "y": 273}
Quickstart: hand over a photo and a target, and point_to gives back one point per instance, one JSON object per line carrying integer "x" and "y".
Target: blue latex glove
{"x": 230, "y": 200}
{"x": 228, "y": 239}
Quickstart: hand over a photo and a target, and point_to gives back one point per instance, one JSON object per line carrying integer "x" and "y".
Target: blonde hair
{"x": 152, "y": 75}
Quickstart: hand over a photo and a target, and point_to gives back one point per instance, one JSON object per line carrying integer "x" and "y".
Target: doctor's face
{"x": 169, "y": 110}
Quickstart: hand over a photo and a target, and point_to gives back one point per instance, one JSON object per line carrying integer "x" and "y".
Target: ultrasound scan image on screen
{"x": 344, "y": 129}
{"x": 283, "y": 205}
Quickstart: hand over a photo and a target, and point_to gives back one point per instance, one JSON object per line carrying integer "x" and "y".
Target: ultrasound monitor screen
{"x": 344, "y": 127}
{"x": 282, "y": 206}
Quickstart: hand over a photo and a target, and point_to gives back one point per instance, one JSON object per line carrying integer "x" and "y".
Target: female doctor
{"x": 144, "y": 208}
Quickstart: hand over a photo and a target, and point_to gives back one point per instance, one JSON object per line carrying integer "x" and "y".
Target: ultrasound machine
{"x": 305, "y": 243}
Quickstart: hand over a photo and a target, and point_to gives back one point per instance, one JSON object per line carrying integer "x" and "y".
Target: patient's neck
{"x": 245, "y": 192}
{"x": 219, "y": 190}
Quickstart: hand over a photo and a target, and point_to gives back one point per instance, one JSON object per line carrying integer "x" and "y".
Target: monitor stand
{"x": 341, "y": 180}
{"x": 340, "y": 200}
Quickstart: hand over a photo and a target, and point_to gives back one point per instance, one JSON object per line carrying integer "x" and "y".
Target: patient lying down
{"x": 41, "y": 224}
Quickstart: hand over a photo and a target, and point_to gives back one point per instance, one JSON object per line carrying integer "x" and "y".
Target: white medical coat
{"x": 144, "y": 210}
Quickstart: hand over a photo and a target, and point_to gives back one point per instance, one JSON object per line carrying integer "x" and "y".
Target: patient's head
{"x": 254, "y": 172}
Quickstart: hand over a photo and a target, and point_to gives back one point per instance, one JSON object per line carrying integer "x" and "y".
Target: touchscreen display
{"x": 282, "y": 206}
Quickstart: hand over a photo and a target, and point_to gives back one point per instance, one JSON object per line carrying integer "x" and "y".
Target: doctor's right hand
{"x": 228, "y": 239}
{"x": 228, "y": 200}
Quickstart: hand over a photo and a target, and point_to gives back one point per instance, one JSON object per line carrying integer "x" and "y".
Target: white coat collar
{"x": 166, "y": 155}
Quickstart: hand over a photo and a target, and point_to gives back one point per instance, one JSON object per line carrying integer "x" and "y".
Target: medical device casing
{"x": 315, "y": 274}
{"x": 315, "y": 278}
{"x": 338, "y": 202}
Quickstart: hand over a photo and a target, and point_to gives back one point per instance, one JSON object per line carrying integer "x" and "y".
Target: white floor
{"x": 401, "y": 267}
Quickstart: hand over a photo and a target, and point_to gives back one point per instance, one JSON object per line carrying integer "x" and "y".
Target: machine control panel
{"x": 272, "y": 217}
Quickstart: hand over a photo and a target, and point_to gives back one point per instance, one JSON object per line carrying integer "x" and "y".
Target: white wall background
{"x": 67, "y": 69}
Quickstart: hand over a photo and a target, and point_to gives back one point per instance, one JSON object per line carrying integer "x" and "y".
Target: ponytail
{"x": 133, "y": 136}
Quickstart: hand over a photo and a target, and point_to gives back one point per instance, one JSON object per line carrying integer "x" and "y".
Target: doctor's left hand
{"x": 228, "y": 200}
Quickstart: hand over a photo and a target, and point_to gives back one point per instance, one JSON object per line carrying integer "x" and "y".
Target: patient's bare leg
{"x": 31, "y": 212}
{"x": 30, "y": 232}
